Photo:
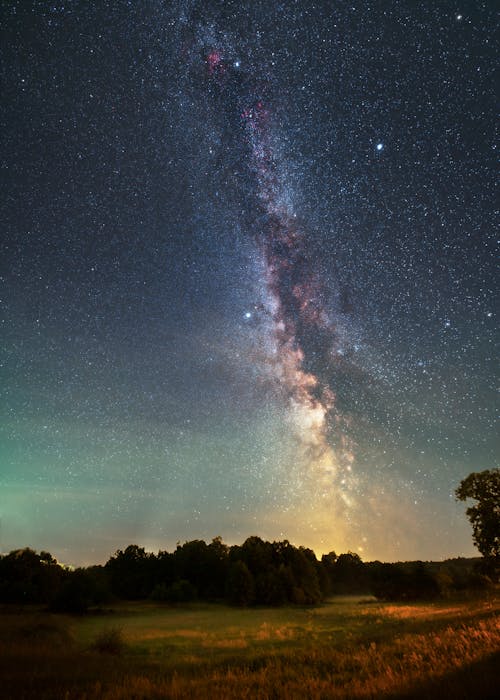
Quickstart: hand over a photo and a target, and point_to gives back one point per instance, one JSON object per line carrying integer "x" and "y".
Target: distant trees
{"x": 28, "y": 577}
{"x": 484, "y": 487}
{"x": 349, "y": 574}
{"x": 281, "y": 573}
{"x": 80, "y": 590}
{"x": 131, "y": 572}
{"x": 256, "y": 572}
{"x": 403, "y": 581}
{"x": 345, "y": 574}
{"x": 203, "y": 565}
{"x": 181, "y": 591}
{"x": 240, "y": 586}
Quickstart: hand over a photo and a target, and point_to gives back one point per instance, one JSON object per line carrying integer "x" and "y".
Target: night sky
{"x": 248, "y": 273}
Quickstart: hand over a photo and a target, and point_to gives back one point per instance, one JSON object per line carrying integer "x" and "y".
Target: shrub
{"x": 110, "y": 641}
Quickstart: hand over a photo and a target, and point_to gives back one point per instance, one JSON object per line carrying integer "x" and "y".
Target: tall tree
{"x": 484, "y": 487}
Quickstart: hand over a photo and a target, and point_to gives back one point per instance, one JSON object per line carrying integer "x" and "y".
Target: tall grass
{"x": 336, "y": 651}
{"x": 110, "y": 641}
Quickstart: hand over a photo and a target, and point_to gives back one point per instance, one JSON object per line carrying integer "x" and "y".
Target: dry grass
{"x": 334, "y": 651}
{"x": 110, "y": 641}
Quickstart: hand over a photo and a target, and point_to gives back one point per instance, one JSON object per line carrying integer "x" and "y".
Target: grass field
{"x": 346, "y": 648}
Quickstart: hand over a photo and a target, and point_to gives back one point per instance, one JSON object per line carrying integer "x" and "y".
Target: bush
{"x": 110, "y": 641}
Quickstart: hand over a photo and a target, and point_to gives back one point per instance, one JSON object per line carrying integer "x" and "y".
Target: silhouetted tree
{"x": 404, "y": 581}
{"x": 131, "y": 572}
{"x": 203, "y": 565}
{"x": 271, "y": 587}
{"x": 77, "y": 593}
{"x": 257, "y": 554}
{"x": 28, "y": 577}
{"x": 240, "y": 585}
{"x": 349, "y": 574}
{"x": 304, "y": 568}
{"x": 484, "y": 487}
{"x": 328, "y": 572}
{"x": 164, "y": 568}
{"x": 218, "y": 561}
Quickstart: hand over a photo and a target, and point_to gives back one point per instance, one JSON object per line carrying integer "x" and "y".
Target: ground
{"x": 346, "y": 648}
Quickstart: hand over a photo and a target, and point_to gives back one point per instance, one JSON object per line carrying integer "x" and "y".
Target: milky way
{"x": 295, "y": 305}
{"x": 249, "y": 273}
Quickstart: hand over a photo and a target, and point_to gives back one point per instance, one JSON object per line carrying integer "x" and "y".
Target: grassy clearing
{"x": 345, "y": 648}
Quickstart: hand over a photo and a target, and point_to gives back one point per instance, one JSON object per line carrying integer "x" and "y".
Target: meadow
{"x": 345, "y": 648}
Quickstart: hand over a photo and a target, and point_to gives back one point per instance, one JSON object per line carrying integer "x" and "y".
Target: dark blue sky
{"x": 248, "y": 278}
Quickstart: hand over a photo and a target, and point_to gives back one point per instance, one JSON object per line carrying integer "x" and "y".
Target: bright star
{"x": 248, "y": 314}
{"x": 380, "y": 146}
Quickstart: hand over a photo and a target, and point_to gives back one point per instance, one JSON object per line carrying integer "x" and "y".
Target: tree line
{"x": 257, "y": 572}
{"x": 254, "y": 573}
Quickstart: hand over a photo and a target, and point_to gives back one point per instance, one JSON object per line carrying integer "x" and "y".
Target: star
{"x": 211, "y": 241}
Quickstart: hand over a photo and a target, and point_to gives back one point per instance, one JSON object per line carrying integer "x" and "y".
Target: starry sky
{"x": 247, "y": 271}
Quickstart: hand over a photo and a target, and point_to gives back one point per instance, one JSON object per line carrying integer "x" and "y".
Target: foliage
{"x": 204, "y": 566}
{"x": 80, "y": 590}
{"x": 240, "y": 584}
{"x": 131, "y": 573}
{"x": 412, "y": 581}
{"x": 28, "y": 577}
{"x": 484, "y": 487}
{"x": 254, "y": 573}
{"x": 349, "y": 574}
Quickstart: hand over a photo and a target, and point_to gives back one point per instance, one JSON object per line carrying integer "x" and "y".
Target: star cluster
{"x": 248, "y": 273}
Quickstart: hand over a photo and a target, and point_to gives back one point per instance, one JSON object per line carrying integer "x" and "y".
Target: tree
{"x": 76, "y": 593}
{"x": 328, "y": 572}
{"x": 131, "y": 572}
{"x": 202, "y": 565}
{"x": 240, "y": 587}
{"x": 349, "y": 574}
{"x": 28, "y": 577}
{"x": 484, "y": 487}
